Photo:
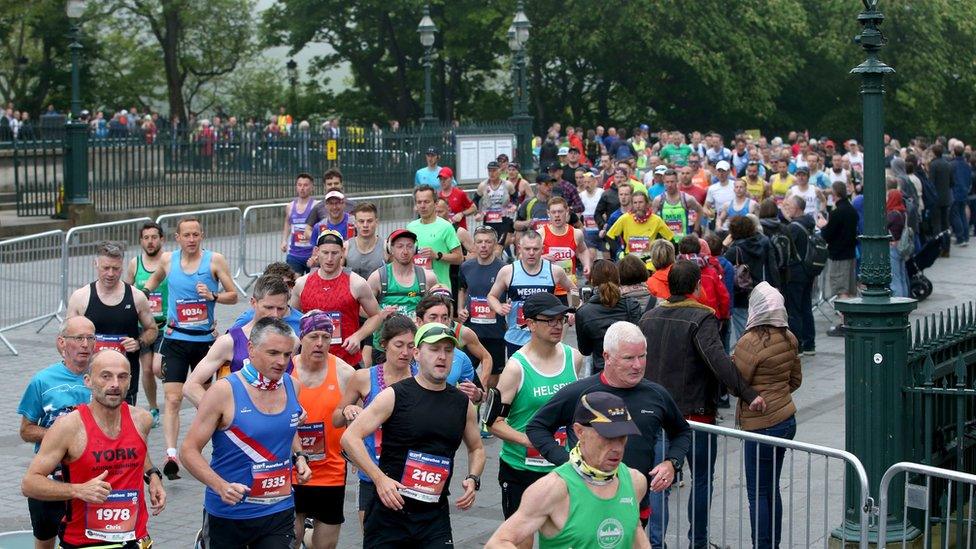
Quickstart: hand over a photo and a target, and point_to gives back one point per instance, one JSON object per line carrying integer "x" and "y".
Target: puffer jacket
{"x": 771, "y": 366}
{"x": 657, "y": 283}
{"x": 686, "y": 356}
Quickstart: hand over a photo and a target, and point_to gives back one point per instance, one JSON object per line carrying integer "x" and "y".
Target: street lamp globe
{"x": 76, "y": 8}
{"x": 292, "y": 67}
{"x": 513, "y": 43}
{"x": 426, "y": 29}
{"x": 522, "y": 25}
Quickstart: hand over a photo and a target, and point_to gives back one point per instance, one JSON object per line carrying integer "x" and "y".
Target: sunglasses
{"x": 439, "y": 330}
{"x": 485, "y": 229}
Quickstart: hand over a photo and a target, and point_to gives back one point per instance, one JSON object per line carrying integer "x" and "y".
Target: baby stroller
{"x": 920, "y": 286}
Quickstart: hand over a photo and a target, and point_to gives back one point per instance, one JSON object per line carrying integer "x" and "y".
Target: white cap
{"x": 335, "y": 194}
{"x": 722, "y": 165}
{"x": 563, "y": 151}
{"x": 660, "y": 169}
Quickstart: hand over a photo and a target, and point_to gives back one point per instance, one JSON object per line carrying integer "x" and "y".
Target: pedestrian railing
{"x": 811, "y": 510}
{"x": 262, "y": 232}
{"x": 937, "y": 506}
{"x": 31, "y": 273}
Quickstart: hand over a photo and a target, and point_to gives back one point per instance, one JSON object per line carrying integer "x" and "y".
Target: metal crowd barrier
{"x": 30, "y": 268}
{"x": 810, "y": 510}
{"x": 77, "y": 267}
{"x": 939, "y": 529}
{"x": 221, "y": 233}
{"x": 261, "y": 235}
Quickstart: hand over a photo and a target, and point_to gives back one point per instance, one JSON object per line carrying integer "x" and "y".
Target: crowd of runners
{"x": 380, "y": 355}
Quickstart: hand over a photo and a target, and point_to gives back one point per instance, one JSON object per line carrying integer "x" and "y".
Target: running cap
{"x": 563, "y": 151}
{"x": 660, "y": 169}
{"x": 401, "y": 233}
{"x": 433, "y": 151}
{"x": 544, "y": 304}
{"x": 803, "y": 169}
{"x": 606, "y": 413}
{"x": 722, "y": 165}
{"x": 432, "y": 333}
{"x": 335, "y": 194}
{"x": 446, "y": 172}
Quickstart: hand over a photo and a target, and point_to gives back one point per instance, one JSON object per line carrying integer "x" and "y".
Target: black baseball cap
{"x": 543, "y": 178}
{"x": 544, "y": 304}
{"x": 433, "y": 151}
{"x": 493, "y": 165}
{"x": 606, "y": 413}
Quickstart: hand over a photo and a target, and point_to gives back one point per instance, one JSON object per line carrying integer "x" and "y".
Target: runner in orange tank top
{"x": 563, "y": 244}
{"x": 323, "y": 378}
{"x": 102, "y": 448}
{"x": 341, "y": 294}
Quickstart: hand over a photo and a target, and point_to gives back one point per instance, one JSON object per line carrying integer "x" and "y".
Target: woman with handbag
{"x": 896, "y": 217}
{"x": 751, "y": 254}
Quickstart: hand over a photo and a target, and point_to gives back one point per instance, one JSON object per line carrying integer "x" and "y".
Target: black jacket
{"x": 756, "y": 252}
{"x": 592, "y": 321}
{"x": 649, "y": 404}
{"x": 686, "y": 356}
{"x": 799, "y": 230}
{"x": 840, "y": 232}
{"x": 940, "y": 173}
{"x": 609, "y": 202}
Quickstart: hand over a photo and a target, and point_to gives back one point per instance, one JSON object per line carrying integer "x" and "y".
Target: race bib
{"x": 533, "y": 457}
{"x": 564, "y": 258}
{"x": 481, "y": 312}
{"x": 192, "y": 312}
{"x": 350, "y": 231}
{"x": 113, "y": 342}
{"x": 378, "y": 443}
{"x": 156, "y": 303}
{"x": 113, "y": 520}
{"x": 519, "y": 315}
{"x": 424, "y": 476}
{"x": 313, "y": 440}
{"x": 589, "y": 223}
{"x": 536, "y": 223}
{"x": 298, "y": 238}
{"x": 493, "y": 216}
{"x": 676, "y": 226}
{"x": 638, "y": 244}
{"x": 336, "y": 327}
{"x": 271, "y": 482}
{"x": 423, "y": 262}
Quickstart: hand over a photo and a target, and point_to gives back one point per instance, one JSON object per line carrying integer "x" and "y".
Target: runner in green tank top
{"x": 591, "y": 501}
{"x": 530, "y": 378}
{"x": 680, "y": 211}
{"x": 385, "y": 282}
{"x": 140, "y": 269}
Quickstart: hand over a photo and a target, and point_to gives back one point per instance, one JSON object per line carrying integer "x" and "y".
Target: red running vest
{"x": 334, "y": 297}
{"x": 122, "y": 516}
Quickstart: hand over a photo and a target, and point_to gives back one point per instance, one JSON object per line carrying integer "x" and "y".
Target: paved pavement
{"x": 812, "y": 496}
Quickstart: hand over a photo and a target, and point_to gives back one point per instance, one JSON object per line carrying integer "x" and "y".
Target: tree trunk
{"x": 174, "y": 77}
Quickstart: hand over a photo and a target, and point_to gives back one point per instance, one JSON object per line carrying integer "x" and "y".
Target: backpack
{"x": 418, "y": 272}
{"x": 783, "y": 250}
{"x": 816, "y": 256}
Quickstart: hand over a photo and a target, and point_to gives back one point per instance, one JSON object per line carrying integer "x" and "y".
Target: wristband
{"x": 440, "y": 256}
{"x": 147, "y": 476}
{"x": 299, "y": 454}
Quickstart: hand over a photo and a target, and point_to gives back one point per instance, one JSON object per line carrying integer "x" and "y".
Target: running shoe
{"x": 171, "y": 469}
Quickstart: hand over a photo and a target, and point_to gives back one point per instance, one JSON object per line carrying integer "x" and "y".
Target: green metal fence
{"x": 195, "y": 168}
{"x": 941, "y": 404}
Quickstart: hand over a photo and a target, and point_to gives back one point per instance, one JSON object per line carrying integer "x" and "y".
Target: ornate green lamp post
{"x": 876, "y": 324}
{"x": 427, "y": 29}
{"x": 76, "y": 199}
{"x": 518, "y": 39}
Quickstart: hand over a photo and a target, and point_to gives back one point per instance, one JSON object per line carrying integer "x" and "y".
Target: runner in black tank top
{"x": 112, "y": 322}
{"x": 424, "y": 421}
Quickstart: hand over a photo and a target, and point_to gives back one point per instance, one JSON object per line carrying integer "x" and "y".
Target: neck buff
{"x": 255, "y": 379}
{"x": 590, "y": 474}
{"x": 640, "y": 219}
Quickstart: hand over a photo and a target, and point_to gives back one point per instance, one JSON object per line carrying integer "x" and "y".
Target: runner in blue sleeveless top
{"x": 397, "y": 339}
{"x": 296, "y": 241}
{"x": 229, "y": 352}
{"x": 194, "y": 276}
{"x": 529, "y": 275}
{"x": 251, "y": 418}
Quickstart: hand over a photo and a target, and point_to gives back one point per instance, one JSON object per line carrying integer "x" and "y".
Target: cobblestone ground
{"x": 820, "y": 402}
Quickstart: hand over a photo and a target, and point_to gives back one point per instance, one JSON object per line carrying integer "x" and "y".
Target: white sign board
{"x": 474, "y": 152}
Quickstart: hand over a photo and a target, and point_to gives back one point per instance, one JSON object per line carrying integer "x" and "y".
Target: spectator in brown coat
{"x": 768, "y": 358}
